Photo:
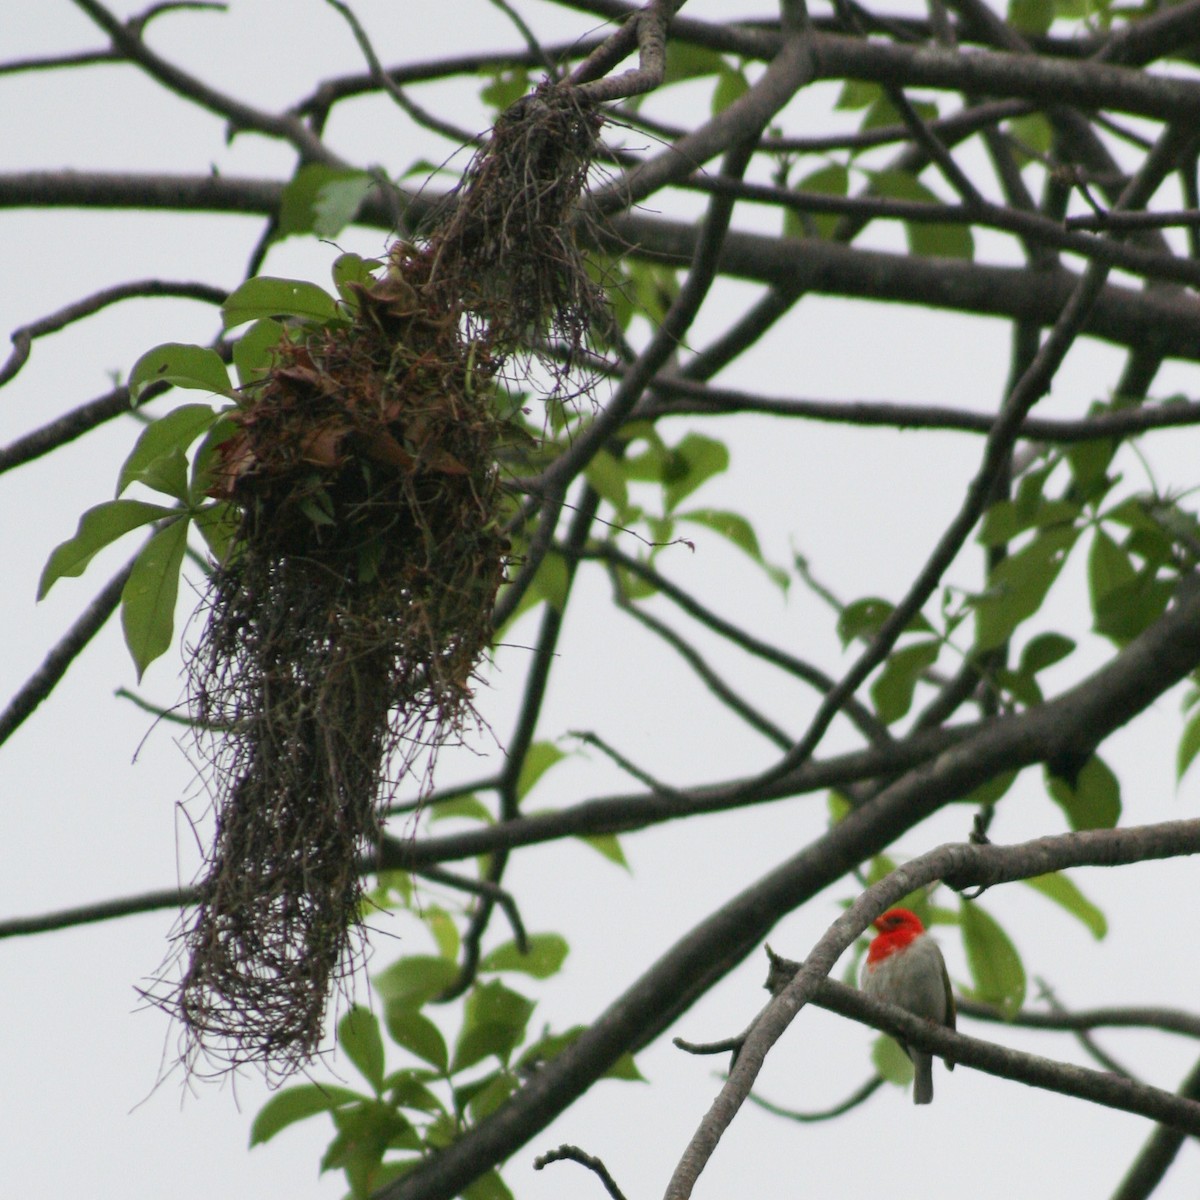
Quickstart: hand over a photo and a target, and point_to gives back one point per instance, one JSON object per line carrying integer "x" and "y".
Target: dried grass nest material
{"x": 339, "y": 646}
{"x": 342, "y": 633}
{"x": 509, "y": 248}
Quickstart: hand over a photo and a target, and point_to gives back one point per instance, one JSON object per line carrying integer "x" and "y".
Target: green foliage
{"x": 321, "y": 200}
{"x": 148, "y": 598}
{"x": 736, "y": 529}
{"x": 1092, "y": 800}
{"x": 493, "y": 1026}
{"x": 408, "y": 1027}
{"x": 996, "y": 969}
{"x": 159, "y": 458}
{"x": 360, "y": 1040}
{"x": 414, "y": 1110}
{"x": 296, "y": 1104}
{"x": 182, "y": 366}
{"x": 1031, "y": 16}
{"x": 1040, "y": 653}
{"x": 1018, "y": 584}
{"x": 540, "y": 757}
{"x": 1189, "y": 744}
{"x": 892, "y": 691}
{"x": 543, "y": 957}
{"x": 608, "y": 845}
{"x": 505, "y": 88}
{"x": 266, "y": 296}
{"x": 1064, "y": 892}
{"x": 99, "y": 527}
{"x": 833, "y": 179}
{"x": 549, "y": 585}
{"x": 695, "y": 459}
{"x": 925, "y": 238}
{"x": 159, "y": 461}
{"x": 415, "y": 979}
{"x": 890, "y": 1062}
{"x": 864, "y": 618}
{"x": 253, "y": 352}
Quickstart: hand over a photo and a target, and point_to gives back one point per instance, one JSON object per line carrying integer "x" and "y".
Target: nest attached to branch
{"x": 343, "y": 631}
{"x": 509, "y": 246}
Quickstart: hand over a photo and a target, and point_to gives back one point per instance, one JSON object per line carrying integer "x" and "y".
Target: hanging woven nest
{"x": 343, "y": 630}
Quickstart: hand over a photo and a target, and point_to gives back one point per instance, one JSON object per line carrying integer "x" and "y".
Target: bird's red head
{"x": 897, "y": 928}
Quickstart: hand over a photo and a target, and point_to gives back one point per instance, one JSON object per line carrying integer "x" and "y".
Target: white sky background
{"x": 80, "y": 821}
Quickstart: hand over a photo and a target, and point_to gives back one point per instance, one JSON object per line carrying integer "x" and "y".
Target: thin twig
{"x": 593, "y": 1164}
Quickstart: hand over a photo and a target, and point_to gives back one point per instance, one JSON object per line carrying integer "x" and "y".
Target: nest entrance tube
{"x": 343, "y": 630}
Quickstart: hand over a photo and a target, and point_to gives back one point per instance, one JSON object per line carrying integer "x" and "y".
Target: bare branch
{"x": 574, "y": 1154}
{"x": 44, "y": 680}
{"x": 23, "y": 337}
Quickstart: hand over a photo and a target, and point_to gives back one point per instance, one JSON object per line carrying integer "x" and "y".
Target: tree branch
{"x": 960, "y": 866}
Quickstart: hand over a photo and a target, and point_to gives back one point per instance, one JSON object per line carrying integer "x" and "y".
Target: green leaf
{"x": 1063, "y": 891}
{"x": 608, "y": 845}
{"x": 487, "y": 1187}
{"x": 863, "y": 618}
{"x": 1089, "y": 461}
{"x": 1108, "y": 568}
{"x": 266, "y": 296}
{"x": 996, "y": 968}
{"x": 254, "y": 351}
{"x": 157, "y": 459}
{"x": 539, "y": 758}
{"x": 1189, "y": 747}
{"x": 1032, "y": 131}
{"x": 182, "y": 365}
{"x": 731, "y": 85}
{"x": 625, "y": 1068}
{"x": 1031, "y": 16}
{"x": 148, "y": 599}
{"x": 1044, "y": 651}
{"x": 487, "y": 1099}
{"x": 469, "y": 807}
{"x": 358, "y": 1036}
{"x": 1006, "y": 519}
{"x": 833, "y": 179}
{"x": 218, "y": 524}
{"x": 414, "y": 1031}
{"x": 505, "y": 89}
{"x": 890, "y": 1062}
{"x": 445, "y": 932}
{"x": 606, "y": 474}
{"x": 549, "y": 583}
{"x": 322, "y": 200}
{"x": 857, "y": 93}
{"x": 100, "y": 526}
{"x": 366, "y": 1132}
{"x": 990, "y": 792}
{"x": 686, "y": 61}
{"x": 407, "y": 1090}
{"x": 1095, "y": 800}
{"x": 494, "y": 1024}
{"x": 926, "y": 238}
{"x": 415, "y": 979}
{"x": 547, "y": 951}
{"x": 297, "y": 1104}
{"x": 696, "y": 459}
{"x": 1128, "y": 609}
{"x": 892, "y": 691}
{"x": 350, "y": 269}
{"x": 1018, "y": 585}
{"x": 740, "y": 532}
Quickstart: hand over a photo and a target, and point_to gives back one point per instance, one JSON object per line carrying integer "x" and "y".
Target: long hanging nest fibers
{"x": 343, "y": 631}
